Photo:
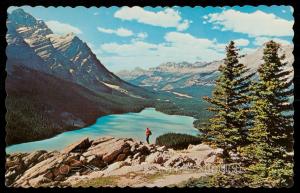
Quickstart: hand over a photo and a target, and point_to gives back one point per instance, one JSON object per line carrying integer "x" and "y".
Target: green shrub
{"x": 177, "y": 140}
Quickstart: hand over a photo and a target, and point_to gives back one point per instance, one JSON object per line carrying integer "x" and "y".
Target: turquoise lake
{"x": 131, "y": 125}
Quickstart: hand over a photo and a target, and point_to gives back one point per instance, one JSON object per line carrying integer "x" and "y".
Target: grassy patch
{"x": 203, "y": 181}
{"x": 160, "y": 174}
{"x": 152, "y": 177}
{"x": 99, "y": 182}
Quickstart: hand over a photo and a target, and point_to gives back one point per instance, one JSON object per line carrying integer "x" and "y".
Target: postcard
{"x": 149, "y": 96}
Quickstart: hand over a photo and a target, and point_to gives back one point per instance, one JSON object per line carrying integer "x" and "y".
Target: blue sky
{"x": 125, "y": 38}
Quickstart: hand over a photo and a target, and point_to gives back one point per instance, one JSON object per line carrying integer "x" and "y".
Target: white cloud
{"x": 184, "y": 25}
{"x": 261, "y": 40}
{"x": 187, "y": 39}
{"x": 176, "y": 47}
{"x": 142, "y": 35}
{"x": 205, "y": 17}
{"x": 62, "y": 28}
{"x": 257, "y": 23}
{"x": 120, "y": 31}
{"x": 166, "y": 18}
{"x": 241, "y": 42}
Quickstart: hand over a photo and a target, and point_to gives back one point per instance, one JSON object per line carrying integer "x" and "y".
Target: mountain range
{"x": 55, "y": 82}
{"x": 192, "y": 78}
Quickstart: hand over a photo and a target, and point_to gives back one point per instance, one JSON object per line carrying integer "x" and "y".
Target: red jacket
{"x": 148, "y": 132}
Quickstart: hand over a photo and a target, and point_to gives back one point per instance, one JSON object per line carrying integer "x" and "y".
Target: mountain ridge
{"x": 64, "y": 56}
{"x": 183, "y": 75}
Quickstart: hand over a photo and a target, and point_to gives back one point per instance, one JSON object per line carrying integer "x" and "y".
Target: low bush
{"x": 177, "y": 140}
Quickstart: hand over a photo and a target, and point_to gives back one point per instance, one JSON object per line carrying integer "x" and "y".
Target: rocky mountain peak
{"x": 20, "y": 18}
{"x": 32, "y": 44}
{"x": 26, "y": 25}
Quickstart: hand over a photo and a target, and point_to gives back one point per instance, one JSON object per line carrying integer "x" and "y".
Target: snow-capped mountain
{"x": 32, "y": 44}
{"x": 174, "y": 76}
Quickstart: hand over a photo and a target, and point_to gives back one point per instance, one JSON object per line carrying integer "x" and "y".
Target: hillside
{"x": 41, "y": 109}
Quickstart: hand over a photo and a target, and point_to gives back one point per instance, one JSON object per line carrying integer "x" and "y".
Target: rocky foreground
{"x": 100, "y": 158}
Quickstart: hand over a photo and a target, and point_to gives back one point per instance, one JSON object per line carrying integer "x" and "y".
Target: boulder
{"x": 95, "y": 161}
{"x": 32, "y": 158}
{"x": 128, "y": 159}
{"x": 13, "y": 161}
{"x": 179, "y": 161}
{"x": 82, "y": 159}
{"x": 64, "y": 169}
{"x": 144, "y": 150}
{"x": 59, "y": 177}
{"x": 135, "y": 156}
{"x": 114, "y": 166}
{"x": 79, "y": 146}
{"x": 121, "y": 157}
{"x": 159, "y": 160}
{"x": 141, "y": 159}
{"x": 152, "y": 157}
{"x": 49, "y": 175}
{"x": 185, "y": 162}
{"x": 210, "y": 160}
{"x": 126, "y": 150}
{"x": 133, "y": 149}
{"x": 101, "y": 140}
{"x": 109, "y": 150}
{"x": 38, "y": 181}
{"x": 41, "y": 168}
{"x": 162, "y": 148}
{"x": 199, "y": 147}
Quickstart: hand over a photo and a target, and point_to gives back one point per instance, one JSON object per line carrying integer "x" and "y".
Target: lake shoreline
{"x": 78, "y": 128}
{"x": 120, "y": 125}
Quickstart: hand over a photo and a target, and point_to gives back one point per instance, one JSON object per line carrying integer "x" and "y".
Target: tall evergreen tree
{"x": 230, "y": 103}
{"x": 271, "y": 136}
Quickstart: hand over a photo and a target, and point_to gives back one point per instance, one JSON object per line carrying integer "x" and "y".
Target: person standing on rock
{"x": 148, "y": 133}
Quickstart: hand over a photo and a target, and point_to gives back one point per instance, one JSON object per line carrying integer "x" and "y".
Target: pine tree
{"x": 271, "y": 136}
{"x": 230, "y": 103}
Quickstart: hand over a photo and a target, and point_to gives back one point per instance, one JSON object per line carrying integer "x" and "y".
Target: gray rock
{"x": 38, "y": 181}
{"x": 95, "y": 160}
{"x": 136, "y": 155}
{"x": 109, "y": 150}
{"x": 79, "y": 146}
{"x": 121, "y": 157}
